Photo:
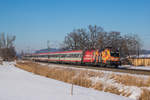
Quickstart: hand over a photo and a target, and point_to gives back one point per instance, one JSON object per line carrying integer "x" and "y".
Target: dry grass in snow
{"x": 145, "y": 95}
{"x": 127, "y": 85}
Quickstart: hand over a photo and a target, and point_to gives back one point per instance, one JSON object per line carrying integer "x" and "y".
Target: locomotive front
{"x": 115, "y": 57}
{"x": 111, "y": 57}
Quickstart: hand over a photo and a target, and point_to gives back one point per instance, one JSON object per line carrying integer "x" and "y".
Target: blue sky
{"x": 36, "y": 21}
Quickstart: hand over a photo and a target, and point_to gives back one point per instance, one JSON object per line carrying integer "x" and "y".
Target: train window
{"x": 67, "y": 55}
{"x": 115, "y": 54}
{"x": 53, "y": 56}
{"x": 62, "y": 55}
{"x": 79, "y": 55}
{"x": 57, "y": 56}
{"x": 73, "y": 55}
{"x": 76, "y": 55}
{"x": 70, "y": 55}
{"x": 50, "y": 55}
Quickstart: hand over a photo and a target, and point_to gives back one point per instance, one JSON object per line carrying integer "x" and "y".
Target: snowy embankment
{"x": 16, "y": 84}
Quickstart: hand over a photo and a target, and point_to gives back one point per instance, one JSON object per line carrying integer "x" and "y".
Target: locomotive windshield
{"x": 114, "y": 54}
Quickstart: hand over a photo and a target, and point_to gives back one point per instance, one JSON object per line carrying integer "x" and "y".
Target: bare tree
{"x": 113, "y": 39}
{"x": 95, "y": 37}
{"x": 84, "y": 39}
{"x": 78, "y": 39}
{"x": 133, "y": 44}
{"x": 7, "y": 49}
{"x": 96, "y": 34}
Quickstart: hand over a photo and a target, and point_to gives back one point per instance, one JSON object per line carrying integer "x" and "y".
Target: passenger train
{"x": 106, "y": 57}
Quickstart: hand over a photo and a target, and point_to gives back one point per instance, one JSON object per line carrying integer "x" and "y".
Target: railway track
{"x": 122, "y": 70}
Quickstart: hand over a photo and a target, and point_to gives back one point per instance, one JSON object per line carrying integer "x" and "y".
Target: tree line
{"x": 95, "y": 37}
{"x": 7, "y": 48}
{"x": 92, "y": 37}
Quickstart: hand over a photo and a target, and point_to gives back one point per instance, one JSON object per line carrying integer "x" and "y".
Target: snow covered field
{"x": 17, "y": 84}
{"x": 130, "y": 85}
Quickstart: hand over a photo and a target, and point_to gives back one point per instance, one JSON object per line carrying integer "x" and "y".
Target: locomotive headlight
{"x": 114, "y": 59}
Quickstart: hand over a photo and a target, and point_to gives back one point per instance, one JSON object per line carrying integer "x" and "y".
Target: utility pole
{"x": 28, "y": 50}
{"x": 48, "y": 44}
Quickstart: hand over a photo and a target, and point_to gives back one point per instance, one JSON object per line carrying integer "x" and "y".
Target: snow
{"x": 134, "y": 91}
{"x": 135, "y": 67}
{"x": 17, "y": 84}
{"x": 141, "y": 56}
